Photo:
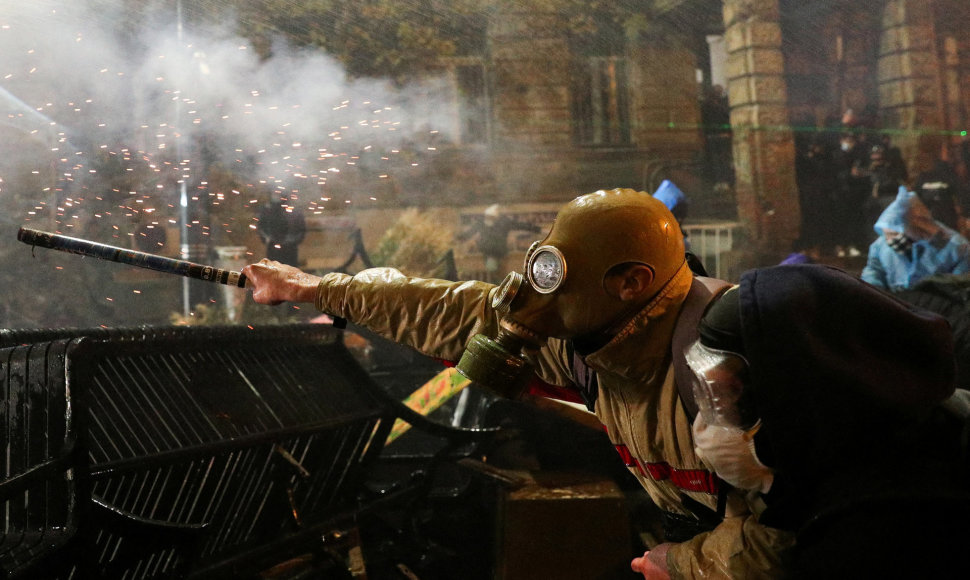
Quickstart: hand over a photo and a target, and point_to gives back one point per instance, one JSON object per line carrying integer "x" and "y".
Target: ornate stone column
{"x": 911, "y": 81}
{"x": 764, "y": 150}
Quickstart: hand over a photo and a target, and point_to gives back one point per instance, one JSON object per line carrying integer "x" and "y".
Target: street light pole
{"x": 183, "y": 191}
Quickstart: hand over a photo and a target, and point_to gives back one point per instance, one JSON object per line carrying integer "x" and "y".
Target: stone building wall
{"x": 664, "y": 100}
{"x": 909, "y": 76}
{"x": 763, "y": 145}
{"x": 534, "y": 152}
{"x": 953, "y": 36}
{"x": 532, "y": 120}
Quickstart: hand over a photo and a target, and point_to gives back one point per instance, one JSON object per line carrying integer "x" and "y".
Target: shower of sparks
{"x": 179, "y": 124}
{"x": 106, "y": 125}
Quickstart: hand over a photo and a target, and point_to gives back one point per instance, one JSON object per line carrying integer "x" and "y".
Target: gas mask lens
{"x": 719, "y": 380}
{"x": 546, "y": 269}
{"x": 498, "y": 363}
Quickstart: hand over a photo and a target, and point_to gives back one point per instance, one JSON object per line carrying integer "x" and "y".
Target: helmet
{"x": 563, "y": 292}
{"x": 599, "y": 231}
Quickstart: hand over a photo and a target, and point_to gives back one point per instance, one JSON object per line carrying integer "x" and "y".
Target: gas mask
{"x": 497, "y": 363}
{"x": 562, "y": 291}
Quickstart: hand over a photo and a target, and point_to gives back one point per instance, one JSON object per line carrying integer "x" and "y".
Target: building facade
{"x": 546, "y": 117}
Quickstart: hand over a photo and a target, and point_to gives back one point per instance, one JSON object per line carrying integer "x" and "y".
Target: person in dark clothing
{"x": 818, "y": 188}
{"x": 949, "y": 296}
{"x": 835, "y": 401}
{"x": 854, "y": 189}
{"x": 716, "y": 119}
{"x": 493, "y": 239}
{"x": 885, "y": 177}
{"x": 282, "y": 228}
{"x": 894, "y": 157}
{"x": 939, "y": 190}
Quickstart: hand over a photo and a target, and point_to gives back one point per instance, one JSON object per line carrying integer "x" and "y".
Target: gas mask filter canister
{"x": 497, "y": 363}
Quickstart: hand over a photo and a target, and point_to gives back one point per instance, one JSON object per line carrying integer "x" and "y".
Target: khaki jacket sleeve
{"x": 435, "y": 317}
{"x": 739, "y": 547}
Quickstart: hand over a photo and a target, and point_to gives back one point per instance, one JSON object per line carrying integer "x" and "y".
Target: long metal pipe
{"x": 132, "y": 257}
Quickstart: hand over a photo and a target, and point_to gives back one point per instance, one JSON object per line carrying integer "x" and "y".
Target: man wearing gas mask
{"x": 605, "y": 306}
{"x": 831, "y": 401}
{"x": 912, "y": 245}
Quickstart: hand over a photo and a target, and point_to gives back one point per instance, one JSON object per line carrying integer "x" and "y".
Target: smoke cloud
{"x": 83, "y": 85}
{"x": 75, "y": 70}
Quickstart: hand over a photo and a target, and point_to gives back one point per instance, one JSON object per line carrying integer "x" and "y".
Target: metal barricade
{"x": 172, "y": 452}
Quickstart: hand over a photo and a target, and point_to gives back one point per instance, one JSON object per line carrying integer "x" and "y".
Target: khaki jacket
{"x": 638, "y": 401}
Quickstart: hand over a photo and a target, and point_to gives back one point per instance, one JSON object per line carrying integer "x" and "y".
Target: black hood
{"x": 837, "y": 366}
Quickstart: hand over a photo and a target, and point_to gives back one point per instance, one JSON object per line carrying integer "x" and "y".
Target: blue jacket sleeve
{"x": 874, "y": 273}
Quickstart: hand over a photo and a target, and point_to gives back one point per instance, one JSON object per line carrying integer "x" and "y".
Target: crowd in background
{"x": 849, "y": 175}
{"x": 860, "y": 199}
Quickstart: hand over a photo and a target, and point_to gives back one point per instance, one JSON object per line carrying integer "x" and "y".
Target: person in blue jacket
{"x": 912, "y": 245}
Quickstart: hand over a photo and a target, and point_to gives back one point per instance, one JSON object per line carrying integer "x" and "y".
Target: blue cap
{"x": 669, "y": 194}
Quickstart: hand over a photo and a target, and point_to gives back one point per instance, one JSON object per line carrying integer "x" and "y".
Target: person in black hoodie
{"x": 834, "y": 401}
{"x": 282, "y": 228}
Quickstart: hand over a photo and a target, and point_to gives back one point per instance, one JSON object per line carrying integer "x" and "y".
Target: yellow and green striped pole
{"x": 429, "y": 397}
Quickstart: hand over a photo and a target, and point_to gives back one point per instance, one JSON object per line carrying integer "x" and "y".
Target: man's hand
{"x": 653, "y": 563}
{"x": 274, "y": 283}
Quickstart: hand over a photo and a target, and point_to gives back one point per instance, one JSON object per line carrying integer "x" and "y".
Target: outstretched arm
{"x": 436, "y": 317}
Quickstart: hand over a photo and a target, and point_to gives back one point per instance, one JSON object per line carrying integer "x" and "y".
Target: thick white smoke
{"x": 88, "y": 75}
{"x": 86, "y": 83}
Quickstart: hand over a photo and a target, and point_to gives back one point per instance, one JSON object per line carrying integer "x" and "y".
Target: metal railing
{"x": 710, "y": 242}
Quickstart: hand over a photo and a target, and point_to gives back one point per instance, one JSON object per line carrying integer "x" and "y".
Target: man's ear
{"x": 629, "y": 282}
